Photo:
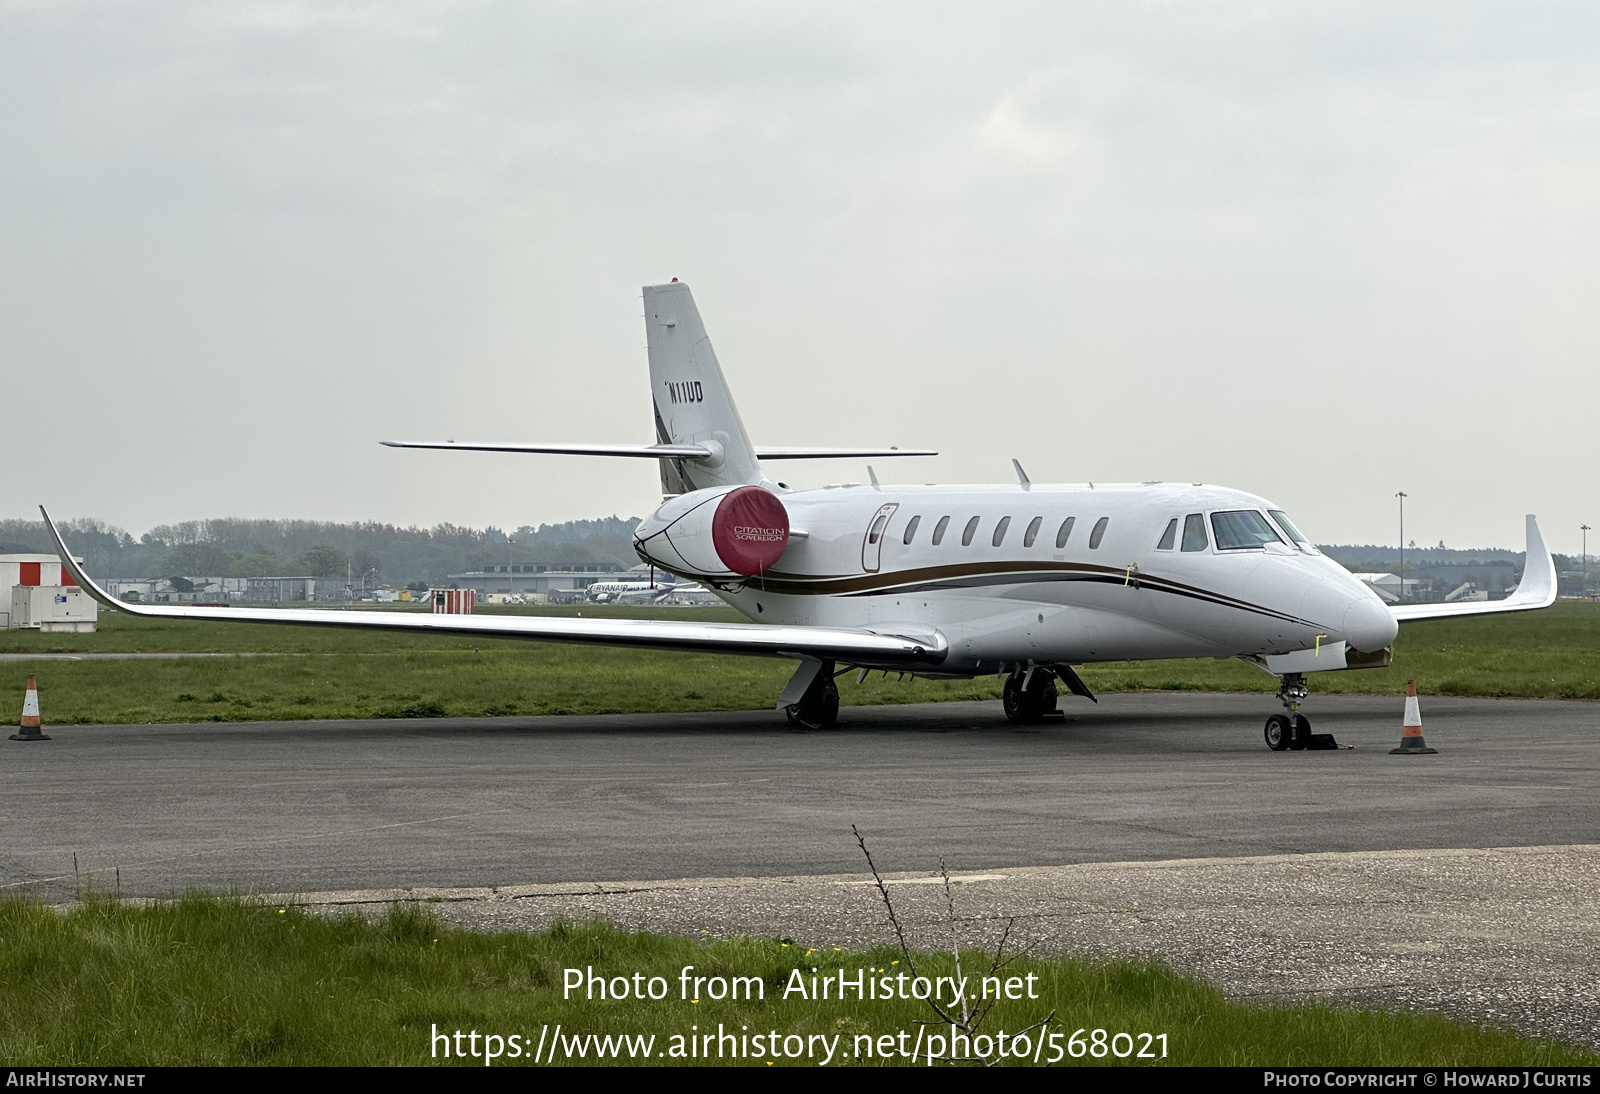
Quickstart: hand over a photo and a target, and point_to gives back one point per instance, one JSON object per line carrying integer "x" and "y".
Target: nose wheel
{"x": 1291, "y": 732}
{"x": 1288, "y": 733}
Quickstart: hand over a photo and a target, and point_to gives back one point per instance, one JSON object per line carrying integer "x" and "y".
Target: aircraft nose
{"x": 1368, "y": 625}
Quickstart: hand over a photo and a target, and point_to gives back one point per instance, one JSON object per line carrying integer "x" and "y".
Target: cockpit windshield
{"x": 1240, "y": 528}
{"x": 1290, "y": 530}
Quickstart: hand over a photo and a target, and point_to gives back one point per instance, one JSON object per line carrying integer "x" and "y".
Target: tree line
{"x": 376, "y": 552}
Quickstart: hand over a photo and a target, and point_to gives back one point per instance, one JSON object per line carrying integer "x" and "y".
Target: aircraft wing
{"x": 1537, "y": 589}
{"x": 861, "y": 647}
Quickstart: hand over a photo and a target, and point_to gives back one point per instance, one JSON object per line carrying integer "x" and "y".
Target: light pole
{"x": 1402, "y": 496}
{"x": 1583, "y": 583}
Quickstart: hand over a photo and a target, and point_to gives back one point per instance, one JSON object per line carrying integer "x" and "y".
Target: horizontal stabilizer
{"x": 859, "y": 647}
{"x": 656, "y": 451}
{"x": 1537, "y": 589}
{"x": 792, "y": 452}
{"x": 650, "y": 451}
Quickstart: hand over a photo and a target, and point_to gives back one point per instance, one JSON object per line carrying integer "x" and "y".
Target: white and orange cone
{"x": 1411, "y": 739}
{"x": 29, "y": 731}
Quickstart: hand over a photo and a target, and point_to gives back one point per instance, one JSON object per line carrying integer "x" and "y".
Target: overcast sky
{"x": 1322, "y": 252}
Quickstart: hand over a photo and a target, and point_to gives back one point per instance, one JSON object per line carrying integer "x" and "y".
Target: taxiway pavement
{"x": 315, "y": 806}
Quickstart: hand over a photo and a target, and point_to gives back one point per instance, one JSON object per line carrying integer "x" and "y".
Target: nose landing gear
{"x": 1292, "y": 731}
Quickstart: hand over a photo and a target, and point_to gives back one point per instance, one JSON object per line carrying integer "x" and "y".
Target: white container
{"x": 54, "y": 609}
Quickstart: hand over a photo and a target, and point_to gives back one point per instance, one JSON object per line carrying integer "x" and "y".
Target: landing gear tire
{"x": 1279, "y": 733}
{"x": 1302, "y": 732}
{"x": 818, "y": 708}
{"x": 1032, "y": 705}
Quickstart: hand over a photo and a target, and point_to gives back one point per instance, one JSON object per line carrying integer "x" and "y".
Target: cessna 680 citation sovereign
{"x": 1023, "y": 579}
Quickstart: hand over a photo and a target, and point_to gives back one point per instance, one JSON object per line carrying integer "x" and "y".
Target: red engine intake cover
{"x": 750, "y": 530}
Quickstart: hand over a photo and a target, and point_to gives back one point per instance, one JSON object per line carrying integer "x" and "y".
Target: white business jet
{"x": 1021, "y": 579}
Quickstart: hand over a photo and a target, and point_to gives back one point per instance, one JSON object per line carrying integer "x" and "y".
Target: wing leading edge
{"x": 1537, "y": 589}
{"x": 830, "y": 643}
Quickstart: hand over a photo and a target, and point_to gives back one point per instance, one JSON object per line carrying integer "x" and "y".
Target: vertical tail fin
{"x": 691, "y": 397}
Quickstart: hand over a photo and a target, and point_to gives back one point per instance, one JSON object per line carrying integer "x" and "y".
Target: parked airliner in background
{"x": 633, "y": 592}
{"x": 618, "y": 592}
{"x": 1021, "y": 579}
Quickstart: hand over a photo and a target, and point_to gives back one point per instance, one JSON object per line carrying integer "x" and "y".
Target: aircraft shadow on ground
{"x": 1088, "y": 723}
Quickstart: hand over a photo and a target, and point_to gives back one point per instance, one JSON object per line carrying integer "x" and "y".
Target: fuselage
{"x": 1054, "y": 573}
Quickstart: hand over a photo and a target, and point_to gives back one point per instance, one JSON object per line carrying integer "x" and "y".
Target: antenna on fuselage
{"x": 1022, "y": 476}
{"x": 873, "y": 475}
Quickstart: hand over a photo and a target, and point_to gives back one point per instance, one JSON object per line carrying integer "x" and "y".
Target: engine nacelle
{"x": 728, "y": 532}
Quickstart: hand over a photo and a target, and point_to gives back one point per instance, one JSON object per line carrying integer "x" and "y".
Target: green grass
{"x": 316, "y": 673}
{"x": 1549, "y": 654}
{"x": 210, "y": 980}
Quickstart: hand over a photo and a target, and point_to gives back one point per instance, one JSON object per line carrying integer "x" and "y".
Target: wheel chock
{"x": 29, "y": 729}
{"x": 1321, "y": 742}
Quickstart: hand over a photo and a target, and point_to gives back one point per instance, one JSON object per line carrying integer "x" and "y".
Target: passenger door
{"x": 872, "y": 542}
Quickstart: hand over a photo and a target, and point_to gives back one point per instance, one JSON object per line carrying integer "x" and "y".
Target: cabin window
{"x": 1065, "y": 532}
{"x": 1194, "y": 533}
{"x": 911, "y": 527}
{"x": 938, "y": 530}
{"x": 1099, "y": 533}
{"x": 968, "y": 532}
{"x": 877, "y": 528}
{"x": 1241, "y": 529}
{"x": 1033, "y": 531}
{"x": 999, "y": 536}
{"x": 1169, "y": 538}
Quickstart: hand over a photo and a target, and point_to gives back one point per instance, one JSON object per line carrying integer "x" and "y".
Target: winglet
{"x": 1537, "y": 589}
{"x": 83, "y": 580}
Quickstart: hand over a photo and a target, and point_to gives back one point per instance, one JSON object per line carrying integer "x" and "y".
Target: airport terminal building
{"x": 537, "y": 583}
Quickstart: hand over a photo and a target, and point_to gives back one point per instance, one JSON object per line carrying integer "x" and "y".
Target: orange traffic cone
{"x": 1411, "y": 741}
{"x": 30, "y": 716}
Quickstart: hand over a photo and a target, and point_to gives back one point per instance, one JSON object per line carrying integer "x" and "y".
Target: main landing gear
{"x": 1030, "y": 691}
{"x": 1029, "y": 695}
{"x": 1292, "y": 731}
{"x": 818, "y": 707}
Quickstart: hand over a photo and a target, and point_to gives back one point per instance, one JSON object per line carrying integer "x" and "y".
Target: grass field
{"x": 315, "y": 673}
{"x": 222, "y": 981}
